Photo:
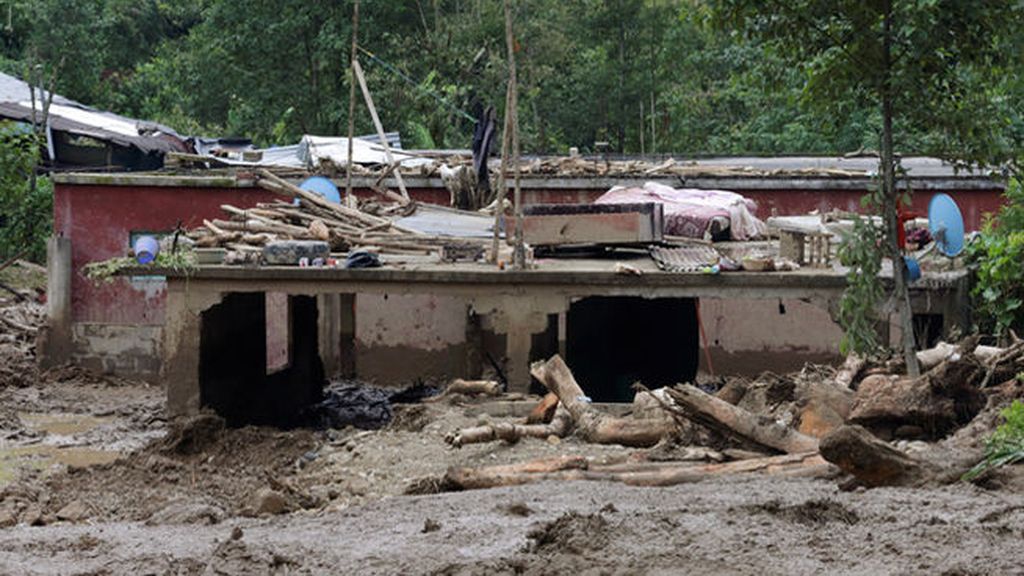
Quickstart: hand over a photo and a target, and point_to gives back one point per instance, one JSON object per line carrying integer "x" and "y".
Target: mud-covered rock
{"x": 74, "y": 511}
{"x": 32, "y": 515}
{"x": 267, "y": 501}
{"x": 186, "y": 512}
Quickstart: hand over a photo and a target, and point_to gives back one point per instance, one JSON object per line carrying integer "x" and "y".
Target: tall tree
{"x": 915, "y": 61}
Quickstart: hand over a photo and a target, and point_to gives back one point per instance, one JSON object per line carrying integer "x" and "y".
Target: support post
{"x": 56, "y": 343}
{"x": 329, "y": 328}
{"x": 182, "y": 343}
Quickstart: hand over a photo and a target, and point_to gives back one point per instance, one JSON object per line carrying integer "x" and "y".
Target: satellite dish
{"x": 946, "y": 225}
{"x": 322, "y": 186}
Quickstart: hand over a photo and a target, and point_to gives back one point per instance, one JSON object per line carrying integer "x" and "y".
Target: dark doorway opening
{"x": 233, "y": 374}
{"x": 613, "y": 342}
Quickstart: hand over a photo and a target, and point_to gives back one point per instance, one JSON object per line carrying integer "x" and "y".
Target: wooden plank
{"x": 592, "y": 224}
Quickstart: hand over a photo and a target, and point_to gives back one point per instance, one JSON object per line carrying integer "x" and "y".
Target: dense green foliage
{"x": 643, "y": 75}
{"x": 1006, "y": 445}
{"x": 25, "y": 207}
{"x": 999, "y": 256}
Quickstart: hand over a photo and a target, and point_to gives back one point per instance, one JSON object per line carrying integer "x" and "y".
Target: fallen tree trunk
{"x": 560, "y": 426}
{"x": 592, "y": 425}
{"x": 544, "y": 411}
{"x": 466, "y": 478}
{"x": 640, "y": 474}
{"x": 850, "y": 369}
{"x": 872, "y": 461}
{"x": 717, "y": 414}
{"x": 468, "y": 388}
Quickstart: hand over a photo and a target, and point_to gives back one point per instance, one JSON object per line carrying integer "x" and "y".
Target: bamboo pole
{"x": 352, "y": 100}
{"x": 380, "y": 128}
{"x": 519, "y": 251}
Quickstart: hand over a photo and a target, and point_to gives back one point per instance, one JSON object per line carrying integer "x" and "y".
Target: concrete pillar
{"x": 182, "y": 341}
{"x": 329, "y": 327}
{"x": 519, "y": 318}
{"x": 347, "y": 335}
{"x": 55, "y": 344}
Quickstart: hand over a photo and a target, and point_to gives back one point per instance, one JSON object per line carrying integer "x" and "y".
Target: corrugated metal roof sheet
{"x": 75, "y": 118}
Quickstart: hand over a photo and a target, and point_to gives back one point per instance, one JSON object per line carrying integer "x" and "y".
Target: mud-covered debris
{"x": 516, "y": 509}
{"x": 268, "y": 501}
{"x": 936, "y": 403}
{"x": 186, "y": 512}
{"x": 194, "y": 434}
{"x": 8, "y": 515}
{"x": 234, "y": 557}
{"x": 821, "y": 511}
{"x": 572, "y": 533}
{"x": 32, "y": 515}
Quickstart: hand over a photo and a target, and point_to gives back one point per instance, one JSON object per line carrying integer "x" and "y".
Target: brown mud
{"x": 94, "y": 481}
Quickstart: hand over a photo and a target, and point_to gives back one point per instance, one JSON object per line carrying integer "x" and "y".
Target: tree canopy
{"x": 643, "y": 75}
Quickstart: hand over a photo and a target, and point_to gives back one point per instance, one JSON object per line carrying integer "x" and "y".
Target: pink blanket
{"x": 690, "y": 212}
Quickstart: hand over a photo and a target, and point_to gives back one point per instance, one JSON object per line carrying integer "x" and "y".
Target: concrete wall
{"x": 129, "y": 350}
{"x": 401, "y": 337}
{"x": 748, "y": 336}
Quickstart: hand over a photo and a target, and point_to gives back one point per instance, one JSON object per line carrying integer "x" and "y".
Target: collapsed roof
{"x": 66, "y": 115}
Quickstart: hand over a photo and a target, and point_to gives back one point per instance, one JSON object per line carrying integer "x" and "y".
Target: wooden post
{"x": 519, "y": 251}
{"x": 499, "y": 202}
{"x": 376, "y": 123}
{"x": 352, "y": 101}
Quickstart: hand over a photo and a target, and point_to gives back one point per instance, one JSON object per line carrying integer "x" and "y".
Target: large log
{"x": 560, "y": 426}
{"x": 851, "y": 368}
{"x": 717, "y": 414}
{"x": 872, "y": 461}
{"x": 592, "y": 425}
{"x": 634, "y": 474}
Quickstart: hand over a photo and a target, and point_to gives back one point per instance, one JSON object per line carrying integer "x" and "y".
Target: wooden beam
{"x": 376, "y": 123}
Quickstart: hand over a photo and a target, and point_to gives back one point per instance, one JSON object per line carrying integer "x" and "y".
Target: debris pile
{"x": 344, "y": 228}
{"x": 820, "y": 423}
{"x": 19, "y": 324}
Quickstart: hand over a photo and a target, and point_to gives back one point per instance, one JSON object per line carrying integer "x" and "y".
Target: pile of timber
{"x": 568, "y": 410}
{"x": 846, "y": 431}
{"x": 344, "y": 227}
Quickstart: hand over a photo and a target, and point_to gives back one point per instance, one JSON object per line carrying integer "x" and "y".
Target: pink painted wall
{"x": 99, "y": 220}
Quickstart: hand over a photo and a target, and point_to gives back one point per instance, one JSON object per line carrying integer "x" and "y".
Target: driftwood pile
{"x": 344, "y": 227}
{"x": 845, "y": 424}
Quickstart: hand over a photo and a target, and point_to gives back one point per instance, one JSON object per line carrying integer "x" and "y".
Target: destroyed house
{"x": 414, "y": 319}
{"x": 79, "y": 136}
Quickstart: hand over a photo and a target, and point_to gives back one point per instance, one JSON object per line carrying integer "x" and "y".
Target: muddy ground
{"x": 89, "y": 462}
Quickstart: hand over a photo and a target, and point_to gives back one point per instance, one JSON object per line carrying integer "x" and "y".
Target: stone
{"x": 186, "y": 512}
{"x": 289, "y": 252}
{"x": 74, "y": 511}
{"x": 8, "y": 516}
{"x": 32, "y": 515}
{"x": 271, "y": 502}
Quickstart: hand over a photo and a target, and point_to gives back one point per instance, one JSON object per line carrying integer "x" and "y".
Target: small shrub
{"x": 1006, "y": 445}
